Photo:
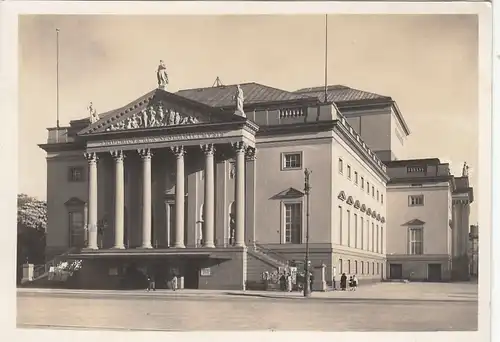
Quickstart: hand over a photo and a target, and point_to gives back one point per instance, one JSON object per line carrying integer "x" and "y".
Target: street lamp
{"x": 307, "y": 191}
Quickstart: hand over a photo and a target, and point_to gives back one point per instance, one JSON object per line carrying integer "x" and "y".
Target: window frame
{"x": 72, "y": 236}
{"x": 415, "y": 203}
{"x": 362, "y": 182}
{"x": 349, "y": 172}
{"x": 411, "y": 241}
{"x": 356, "y": 180}
{"x": 284, "y": 155}
{"x": 341, "y": 166}
{"x": 284, "y": 205}
{"x": 81, "y": 171}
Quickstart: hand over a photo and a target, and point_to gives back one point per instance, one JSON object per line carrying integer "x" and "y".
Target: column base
{"x": 209, "y": 245}
{"x": 118, "y": 247}
{"x": 239, "y": 244}
{"x": 90, "y": 248}
{"x": 179, "y": 246}
{"x": 145, "y": 247}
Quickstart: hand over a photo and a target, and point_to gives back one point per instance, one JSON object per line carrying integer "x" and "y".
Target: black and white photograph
{"x": 317, "y": 171}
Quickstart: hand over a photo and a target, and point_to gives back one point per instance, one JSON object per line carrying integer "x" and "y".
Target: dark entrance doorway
{"x": 191, "y": 274}
{"x": 434, "y": 272}
{"x": 395, "y": 271}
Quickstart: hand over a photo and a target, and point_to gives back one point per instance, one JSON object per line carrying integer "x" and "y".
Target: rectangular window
{"x": 373, "y": 191}
{"x": 362, "y": 182}
{"x": 416, "y": 241}
{"x": 362, "y": 232}
{"x": 292, "y": 161}
{"x": 355, "y": 266}
{"x": 381, "y": 239}
{"x": 378, "y": 195}
{"x": 362, "y": 267}
{"x": 349, "y": 228}
{"x": 378, "y": 268}
{"x": 355, "y": 230}
{"x": 349, "y": 171}
{"x": 378, "y": 241}
{"x": 341, "y": 266}
{"x": 415, "y": 200}
{"x": 373, "y": 237}
{"x": 368, "y": 187}
{"x": 367, "y": 267}
{"x": 415, "y": 169}
{"x": 348, "y": 266}
{"x": 76, "y": 228}
{"x": 373, "y": 268}
{"x": 382, "y": 198}
{"x": 293, "y": 223}
{"x": 356, "y": 177}
{"x": 341, "y": 166}
{"x": 75, "y": 174}
{"x": 340, "y": 225}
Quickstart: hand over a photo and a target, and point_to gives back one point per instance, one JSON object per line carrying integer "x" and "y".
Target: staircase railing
{"x": 40, "y": 270}
{"x": 272, "y": 254}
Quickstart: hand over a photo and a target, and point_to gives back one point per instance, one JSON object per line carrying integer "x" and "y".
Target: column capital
{"x": 208, "y": 148}
{"x": 179, "y": 151}
{"x": 117, "y": 155}
{"x": 91, "y": 157}
{"x": 251, "y": 154}
{"x": 240, "y": 147}
{"x": 145, "y": 153}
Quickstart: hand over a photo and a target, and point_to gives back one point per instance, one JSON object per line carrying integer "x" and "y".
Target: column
{"x": 240, "y": 148}
{"x": 92, "y": 207}
{"x": 119, "y": 199}
{"x": 209, "y": 202}
{"x": 250, "y": 192}
{"x": 146, "y": 197}
{"x": 179, "y": 197}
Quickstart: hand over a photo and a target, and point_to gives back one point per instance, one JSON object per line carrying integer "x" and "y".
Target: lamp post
{"x": 307, "y": 191}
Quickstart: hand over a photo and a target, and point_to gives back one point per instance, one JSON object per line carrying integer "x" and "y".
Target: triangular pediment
{"x": 363, "y": 208}
{"x": 342, "y": 196}
{"x": 414, "y": 222}
{"x": 74, "y": 202}
{"x": 357, "y": 204}
{"x": 157, "y": 109}
{"x": 289, "y": 193}
{"x": 350, "y": 200}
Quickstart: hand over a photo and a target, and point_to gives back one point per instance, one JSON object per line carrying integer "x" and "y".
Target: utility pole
{"x": 307, "y": 191}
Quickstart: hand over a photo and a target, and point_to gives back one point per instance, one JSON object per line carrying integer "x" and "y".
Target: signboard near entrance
{"x": 206, "y": 272}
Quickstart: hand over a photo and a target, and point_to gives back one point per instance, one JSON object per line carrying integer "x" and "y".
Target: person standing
{"x": 354, "y": 283}
{"x": 343, "y": 282}
{"x": 311, "y": 282}
{"x": 174, "y": 283}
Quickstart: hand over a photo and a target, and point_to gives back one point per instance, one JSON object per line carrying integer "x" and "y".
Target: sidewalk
{"x": 380, "y": 291}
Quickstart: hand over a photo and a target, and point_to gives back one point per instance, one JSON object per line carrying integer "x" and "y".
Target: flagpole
{"x": 57, "y": 79}
{"x": 326, "y": 57}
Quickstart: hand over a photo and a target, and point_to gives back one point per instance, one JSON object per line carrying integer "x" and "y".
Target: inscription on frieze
{"x": 157, "y": 139}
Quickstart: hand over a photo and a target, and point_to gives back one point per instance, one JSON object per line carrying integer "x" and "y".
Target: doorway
{"x": 396, "y": 271}
{"x": 434, "y": 272}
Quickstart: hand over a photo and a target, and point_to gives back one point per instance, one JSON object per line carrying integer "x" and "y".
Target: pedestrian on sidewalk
{"x": 354, "y": 283}
{"x": 288, "y": 282}
{"x": 343, "y": 282}
{"x": 151, "y": 283}
{"x": 311, "y": 277}
{"x": 174, "y": 283}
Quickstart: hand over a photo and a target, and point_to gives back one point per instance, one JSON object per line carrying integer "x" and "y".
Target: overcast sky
{"x": 427, "y": 63}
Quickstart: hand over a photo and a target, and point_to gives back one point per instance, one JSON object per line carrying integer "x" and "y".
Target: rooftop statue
{"x": 239, "y": 98}
{"x": 162, "y": 75}
{"x": 94, "y": 117}
{"x": 465, "y": 170}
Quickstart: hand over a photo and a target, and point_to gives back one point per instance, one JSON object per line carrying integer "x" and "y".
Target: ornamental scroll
{"x": 154, "y": 116}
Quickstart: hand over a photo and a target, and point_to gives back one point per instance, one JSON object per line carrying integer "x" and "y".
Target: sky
{"x": 427, "y": 63}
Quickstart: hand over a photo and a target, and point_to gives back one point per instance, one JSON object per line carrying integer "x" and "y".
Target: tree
{"x": 31, "y": 226}
{"x": 31, "y": 213}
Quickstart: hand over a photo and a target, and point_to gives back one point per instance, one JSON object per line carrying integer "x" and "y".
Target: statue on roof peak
{"x": 465, "y": 170}
{"x": 94, "y": 117}
{"x": 162, "y": 75}
{"x": 239, "y": 98}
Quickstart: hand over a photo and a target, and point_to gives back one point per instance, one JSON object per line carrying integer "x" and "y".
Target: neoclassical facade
{"x": 207, "y": 185}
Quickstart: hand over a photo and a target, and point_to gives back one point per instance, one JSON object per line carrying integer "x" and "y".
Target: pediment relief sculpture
{"x": 155, "y": 115}
{"x": 342, "y": 196}
{"x": 363, "y": 208}
{"x": 357, "y": 205}
{"x": 350, "y": 200}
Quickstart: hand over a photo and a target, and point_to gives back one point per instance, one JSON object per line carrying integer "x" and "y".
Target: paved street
{"x": 379, "y": 307}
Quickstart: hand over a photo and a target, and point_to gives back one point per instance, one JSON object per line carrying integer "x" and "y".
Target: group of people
{"x": 152, "y": 283}
{"x": 353, "y": 283}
